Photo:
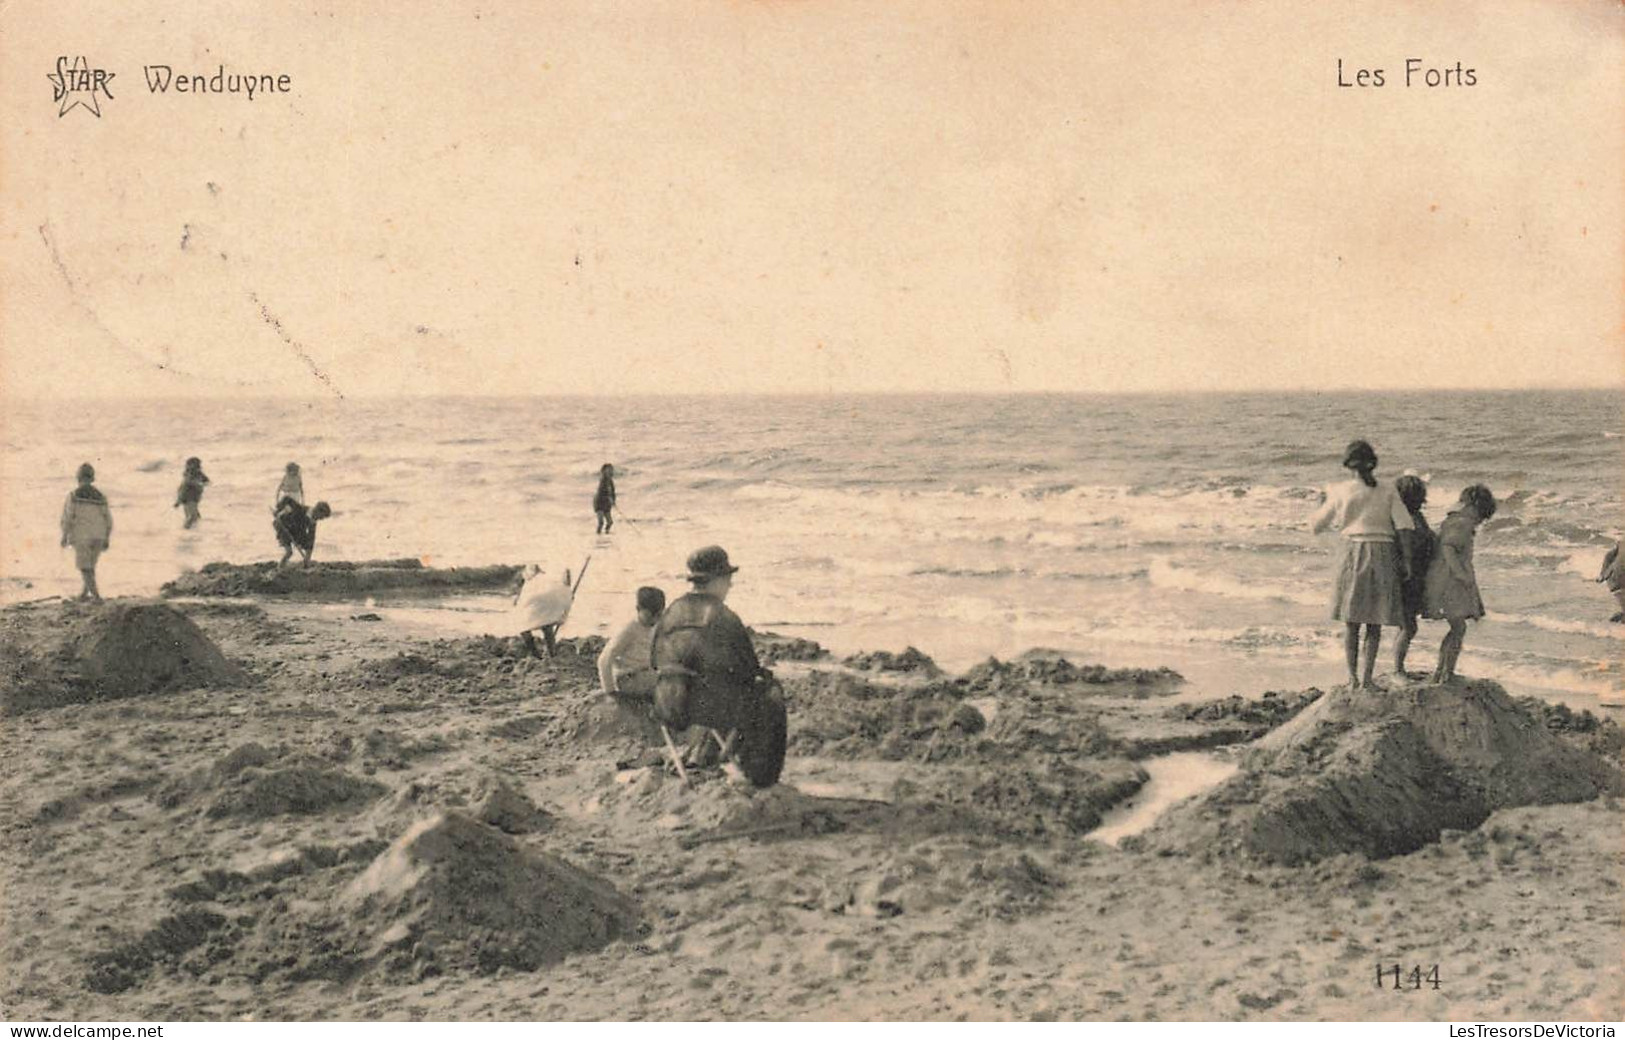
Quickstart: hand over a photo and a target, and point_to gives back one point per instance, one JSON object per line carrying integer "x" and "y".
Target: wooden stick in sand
{"x": 676, "y": 759}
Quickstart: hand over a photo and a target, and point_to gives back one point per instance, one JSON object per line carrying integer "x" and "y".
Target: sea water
{"x": 1128, "y": 530}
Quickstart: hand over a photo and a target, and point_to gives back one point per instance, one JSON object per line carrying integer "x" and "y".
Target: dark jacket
{"x": 698, "y": 639}
{"x": 294, "y": 526}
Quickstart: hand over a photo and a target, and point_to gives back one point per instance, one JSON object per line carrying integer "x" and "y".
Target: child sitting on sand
{"x": 87, "y": 525}
{"x": 1451, "y": 586}
{"x": 295, "y": 527}
{"x": 190, "y": 492}
{"x": 1413, "y": 492}
{"x": 625, "y": 668}
{"x": 1614, "y": 575}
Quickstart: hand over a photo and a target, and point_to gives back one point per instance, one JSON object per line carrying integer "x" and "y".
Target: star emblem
{"x": 74, "y": 86}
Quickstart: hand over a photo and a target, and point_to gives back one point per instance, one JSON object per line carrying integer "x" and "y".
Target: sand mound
{"x": 75, "y": 654}
{"x": 1030, "y": 795}
{"x": 179, "y": 940}
{"x": 510, "y": 810}
{"x": 1383, "y": 773}
{"x": 454, "y": 893}
{"x": 1604, "y": 737}
{"x": 847, "y": 716}
{"x": 910, "y": 661}
{"x": 1045, "y": 667}
{"x": 772, "y": 648}
{"x": 340, "y": 580}
{"x": 486, "y": 669}
{"x": 255, "y": 782}
{"x": 302, "y": 786}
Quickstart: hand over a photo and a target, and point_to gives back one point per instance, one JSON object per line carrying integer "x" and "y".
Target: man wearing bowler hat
{"x": 708, "y": 673}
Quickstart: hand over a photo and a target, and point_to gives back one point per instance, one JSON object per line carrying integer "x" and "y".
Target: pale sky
{"x": 714, "y": 195}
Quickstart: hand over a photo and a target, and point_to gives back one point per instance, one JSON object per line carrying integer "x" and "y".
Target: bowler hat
{"x": 709, "y": 562}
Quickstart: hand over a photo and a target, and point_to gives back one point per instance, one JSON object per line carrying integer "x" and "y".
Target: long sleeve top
{"x": 86, "y": 517}
{"x": 1363, "y": 513}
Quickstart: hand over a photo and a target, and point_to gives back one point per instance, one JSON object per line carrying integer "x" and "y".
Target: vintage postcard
{"x": 812, "y": 509}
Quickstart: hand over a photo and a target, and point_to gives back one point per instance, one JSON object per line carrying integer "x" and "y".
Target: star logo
{"x": 76, "y": 84}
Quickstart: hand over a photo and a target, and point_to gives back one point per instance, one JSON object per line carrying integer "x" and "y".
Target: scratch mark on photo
{"x": 294, "y": 345}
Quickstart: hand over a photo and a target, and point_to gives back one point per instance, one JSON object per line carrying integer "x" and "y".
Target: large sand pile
{"x": 341, "y": 580}
{"x": 68, "y": 654}
{"x": 1383, "y": 773}
{"x": 455, "y": 893}
{"x": 254, "y": 782}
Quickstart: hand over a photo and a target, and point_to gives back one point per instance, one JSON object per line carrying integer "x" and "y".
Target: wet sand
{"x": 934, "y": 851}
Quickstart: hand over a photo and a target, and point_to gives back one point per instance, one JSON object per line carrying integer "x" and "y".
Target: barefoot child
{"x": 295, "y": 528}
{"x": 292, "y": 486}
{"x": 542, "y": 603}
{"x": 1365, "y": 595}
{"x": 87, "y": 525}
{"x": 1451, "y": 590}
{"x": 603, "y": 500}
{"x": 1413, "y": 492}
{"x": 191, "y": 490}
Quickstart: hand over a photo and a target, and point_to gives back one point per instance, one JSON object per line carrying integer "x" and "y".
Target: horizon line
{"x": 1408, "y": 391}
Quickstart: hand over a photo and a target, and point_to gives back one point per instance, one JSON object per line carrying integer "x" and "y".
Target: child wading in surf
{"x": 87, "y": 525}
{"x": 603, "y": 500}
{"x": 1614, "y": 575}
{"x": 292, "y": 486}
{"x": 1451, "y": 591}
{"x": 190, "y": 492}
{"x": 1413, "y": 492}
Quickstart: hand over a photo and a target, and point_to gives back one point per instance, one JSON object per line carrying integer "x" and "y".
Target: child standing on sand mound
{"x": 1369, "y": 569}
{"x": 1413, "y": 492}
{"x": 1451, "y": 591}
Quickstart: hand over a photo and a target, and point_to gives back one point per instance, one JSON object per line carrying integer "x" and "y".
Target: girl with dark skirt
{"x": 1372, "y": 564}
{"x": 1413, "y": 491}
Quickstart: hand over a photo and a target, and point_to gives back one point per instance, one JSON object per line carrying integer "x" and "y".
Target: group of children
{"x": 87, "y": 519}
{"x": 1394, "y": 569}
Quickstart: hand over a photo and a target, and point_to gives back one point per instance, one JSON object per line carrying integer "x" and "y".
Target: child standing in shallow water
{"x": 87, "y": 525}
{"x": 1613, "y": 573}
{"x": 292, "y": 486}
{"x": 603, "y": 500}
{"x": 1451, "y": 590}
{"x": 191, "y": 490}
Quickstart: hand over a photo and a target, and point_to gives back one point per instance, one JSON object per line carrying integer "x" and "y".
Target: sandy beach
{"x": 348, "y": 820}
